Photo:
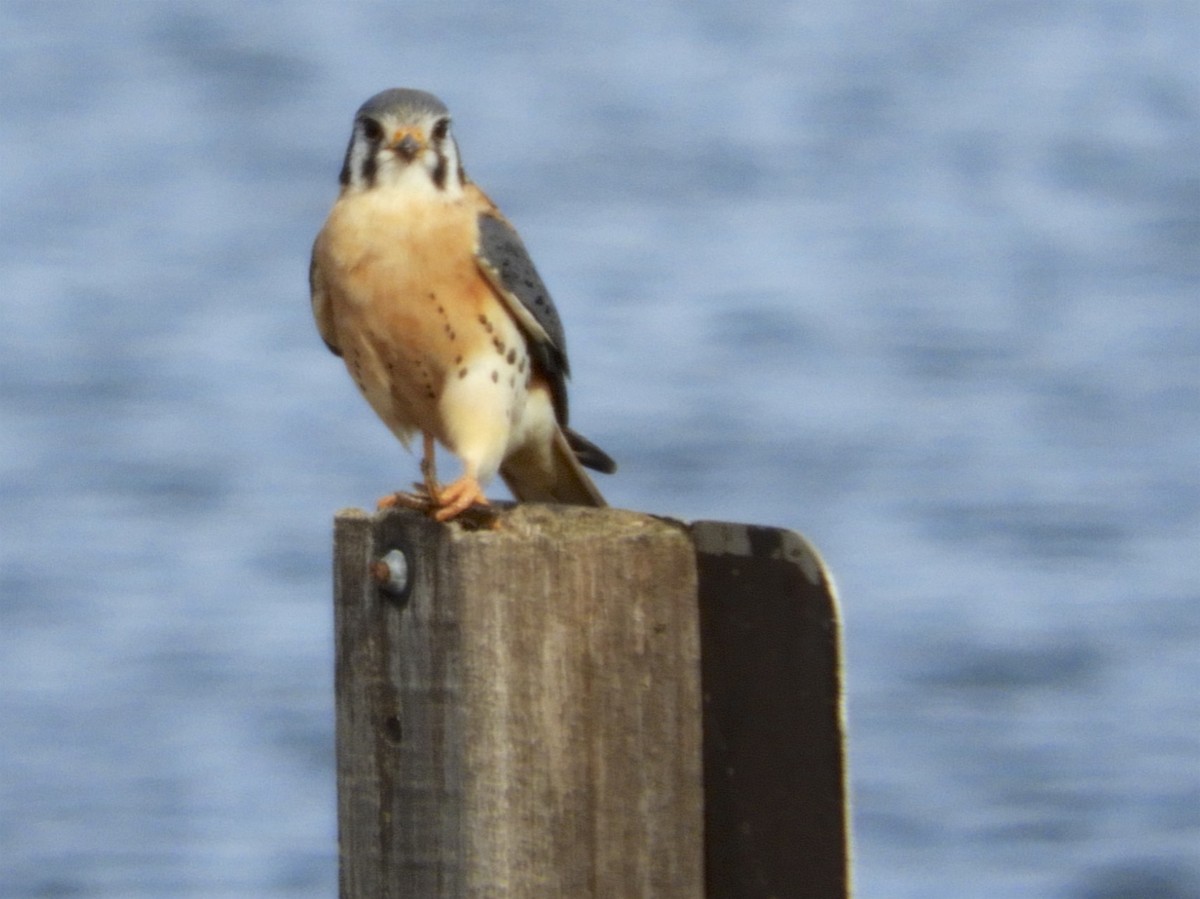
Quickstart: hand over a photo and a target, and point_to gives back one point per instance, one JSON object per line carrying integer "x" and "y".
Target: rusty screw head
{"x": 391, "y": 572}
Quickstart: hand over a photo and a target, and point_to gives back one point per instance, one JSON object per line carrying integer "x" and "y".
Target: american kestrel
{"x": 425, "y": 290}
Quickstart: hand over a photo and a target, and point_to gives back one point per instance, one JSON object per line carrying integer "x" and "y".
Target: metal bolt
{"x": 391, "y": 572}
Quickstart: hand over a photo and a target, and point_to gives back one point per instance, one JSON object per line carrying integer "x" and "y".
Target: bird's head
{"x": 402, "y": 138}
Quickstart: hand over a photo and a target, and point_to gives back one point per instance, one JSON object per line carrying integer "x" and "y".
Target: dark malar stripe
{"x": 369, "y": 168}
{"x": 366, "y": 176}
{"x": 344, "y": 176}
{"x": 440, "y": 171}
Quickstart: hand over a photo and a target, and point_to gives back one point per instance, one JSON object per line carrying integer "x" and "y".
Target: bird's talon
{"x": 458, "y": 497}
{"x": 463, "y": 499}
{"x": 402, "y": 500}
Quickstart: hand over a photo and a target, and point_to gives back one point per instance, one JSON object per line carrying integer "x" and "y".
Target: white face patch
{"x": 373, "y": 162}
{"x": 394, "y": 172}
{"x": 360, "y": 165}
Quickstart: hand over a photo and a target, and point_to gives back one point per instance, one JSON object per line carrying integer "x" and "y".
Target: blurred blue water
{"x": 918, "y": 281}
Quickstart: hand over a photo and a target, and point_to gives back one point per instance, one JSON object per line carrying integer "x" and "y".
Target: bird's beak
{"x": 407, "y": 143}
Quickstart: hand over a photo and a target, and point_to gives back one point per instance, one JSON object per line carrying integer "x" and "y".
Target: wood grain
{"x": 525, "y": 720}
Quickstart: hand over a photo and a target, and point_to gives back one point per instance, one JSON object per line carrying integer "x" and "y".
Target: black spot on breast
{"x": 511, "y": 357}
{"x": 495, "y": 377}
{"x": 499, "y": 345}
{"x": 462, "y": 372}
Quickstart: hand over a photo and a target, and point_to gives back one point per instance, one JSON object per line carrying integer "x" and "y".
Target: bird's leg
{"x": 425, "y": 497}
{"x": 455, "y": 498}
{"x": 462, "y": 499}
{"x": 429, "y": 468}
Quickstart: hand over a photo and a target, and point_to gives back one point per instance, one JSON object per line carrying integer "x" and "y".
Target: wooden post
{"x": 520, "y": 714}
{"x": 776, "y": 821}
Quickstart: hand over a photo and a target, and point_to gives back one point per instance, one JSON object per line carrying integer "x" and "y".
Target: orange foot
{"x": 456, "y": 498}
{"x": 418, "y": 500}
{"x": 463, "y": 500}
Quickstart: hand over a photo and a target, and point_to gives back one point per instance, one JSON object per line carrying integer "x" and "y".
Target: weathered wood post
{"x": 585, "y": 703}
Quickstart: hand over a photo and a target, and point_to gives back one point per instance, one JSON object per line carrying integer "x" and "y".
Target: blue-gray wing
{"x": 505, "y": 262}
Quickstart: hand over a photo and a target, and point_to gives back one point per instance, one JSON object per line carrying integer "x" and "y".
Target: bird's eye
{"x": 440, "y": 129}
{"x": 372, "y": 130}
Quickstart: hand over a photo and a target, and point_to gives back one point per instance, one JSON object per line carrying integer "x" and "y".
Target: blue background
{"x": 918, "y": 280}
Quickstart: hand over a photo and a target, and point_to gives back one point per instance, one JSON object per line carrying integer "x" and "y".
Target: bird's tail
{"x": 556, "y": 477}
{"x": 588, "y": 454}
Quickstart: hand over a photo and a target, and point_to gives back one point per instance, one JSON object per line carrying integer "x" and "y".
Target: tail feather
{"x": 588, "y": 454}
{"x": 554, "y": 477}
